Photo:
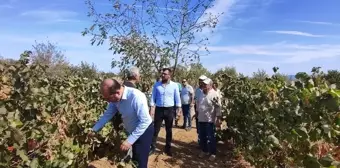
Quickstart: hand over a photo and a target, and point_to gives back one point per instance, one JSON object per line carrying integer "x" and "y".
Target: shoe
{"x": 188, "y": 129}
{"x": 168, "y": 152}
{"x": 202, "y": 154}
{"x": 212, "y": 157}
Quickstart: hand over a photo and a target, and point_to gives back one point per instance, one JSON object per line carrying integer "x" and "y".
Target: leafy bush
{"x": 44, "y": 120}
{"x": 286, "y": 125}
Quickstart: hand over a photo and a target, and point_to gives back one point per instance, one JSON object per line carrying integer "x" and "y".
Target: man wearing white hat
{"x": 197, "y": 93}
{"x": 209, "y": 117}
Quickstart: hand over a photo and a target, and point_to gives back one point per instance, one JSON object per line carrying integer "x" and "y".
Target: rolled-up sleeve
{"x": 177, "y": 97}
{"x": 153, "y": 95}
{"x": 107, "y": 116}
{"x": 140, "y": 104}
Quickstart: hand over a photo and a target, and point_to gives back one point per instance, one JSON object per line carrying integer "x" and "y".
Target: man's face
{"x": 200, "y": 83}
{"x": 206, "y": 87}
{"x": 111, "y": 97}
{"x": 215, "y": 85}
{"x": 165, "y": 75}
{"x": 138, "y": 78}
{"x": 184, "y": 82}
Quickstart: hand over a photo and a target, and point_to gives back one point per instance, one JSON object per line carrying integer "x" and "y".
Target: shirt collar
{"x": 125, "y": 93}
{"x": 160, "y": 82}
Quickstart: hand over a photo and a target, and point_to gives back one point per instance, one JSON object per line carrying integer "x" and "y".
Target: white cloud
{"x": 77, "y": 48}
{"x": 248, "y": 65}
{"x": 297, "y": 33}
{"x": 319, "y": 23}
{"x": 220, "y": 7}
{"x": 289, "y": 53}
{"x": 51, "y": 15}
{"x": 230, "y": 10}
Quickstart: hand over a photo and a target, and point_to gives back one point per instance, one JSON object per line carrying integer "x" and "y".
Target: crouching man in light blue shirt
{"x": 133, "y": 106}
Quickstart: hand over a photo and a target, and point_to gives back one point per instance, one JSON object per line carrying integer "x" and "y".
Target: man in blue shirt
{"x": 133, "y": 106}
{"x": 165, "y": 96}
{"x": 187, "y": 99}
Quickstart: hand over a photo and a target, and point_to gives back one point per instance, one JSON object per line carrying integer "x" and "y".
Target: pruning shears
{"x": 127, "y": 157}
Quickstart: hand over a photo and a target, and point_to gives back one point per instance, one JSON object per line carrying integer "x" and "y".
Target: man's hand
{"x": 152, "y": 112}
{"x": 125, "y": 146}
{"x": 90, "y": 133}
{"x": 218, "y": 123}
{"x": 194, "y": 116}
{"x": 178, "y": 111}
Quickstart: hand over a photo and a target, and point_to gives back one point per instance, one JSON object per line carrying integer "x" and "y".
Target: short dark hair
{"x": 167, "y": 69}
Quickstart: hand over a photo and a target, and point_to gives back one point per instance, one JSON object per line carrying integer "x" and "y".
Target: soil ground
{"x": 185, "y": 152}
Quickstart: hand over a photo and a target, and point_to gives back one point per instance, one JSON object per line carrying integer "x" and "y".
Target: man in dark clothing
{"x": 133, "y": 77}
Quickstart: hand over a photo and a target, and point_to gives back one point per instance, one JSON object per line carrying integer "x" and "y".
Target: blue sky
{"x": 294, "y": 35}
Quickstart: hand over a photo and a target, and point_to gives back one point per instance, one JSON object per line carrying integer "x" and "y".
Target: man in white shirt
{"x": 209, "y": 117}
{"x": 197, "y": 93}
{"x": 187, "y": 99}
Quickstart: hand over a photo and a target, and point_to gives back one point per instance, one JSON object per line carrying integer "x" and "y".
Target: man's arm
{"x": 153, "y": 100}
{"x": 192, "y": 95}
{"x": 153, "y": 95}
{"x": 177, "y": 97}
{"x": 140, "y": 104}
{"x": 107, "y": 116}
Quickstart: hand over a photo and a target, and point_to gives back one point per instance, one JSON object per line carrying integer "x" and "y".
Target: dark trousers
{"x": 176, "y": 118}
{"x": 197, "y": 126}
{"x": 141, "y": 148}
{"x": 166, "y": 114}
{"x": 186, "y": 115}
{"x": 207, "y": 137}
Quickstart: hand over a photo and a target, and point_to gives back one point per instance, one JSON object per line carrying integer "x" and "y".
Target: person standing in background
{"x": 209, "y": 117}
{"x": 165, "y": 95}
{"x": 187, "y": 99}
{"x": 215, "y": 87}
{"x": 177, "y": 116}
{"x": 197, "y": 93}
{"x": 133, "y": 77}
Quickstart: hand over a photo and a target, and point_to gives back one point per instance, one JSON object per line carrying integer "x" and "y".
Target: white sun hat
{"x": 202, "y": 77}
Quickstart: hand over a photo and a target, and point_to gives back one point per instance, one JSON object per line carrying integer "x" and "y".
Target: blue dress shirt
{"x": 165, "y": 96}
{"x": 135, "y": 113}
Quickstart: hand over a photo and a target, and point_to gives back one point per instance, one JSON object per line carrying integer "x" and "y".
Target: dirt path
{"x": 185, "y": 153}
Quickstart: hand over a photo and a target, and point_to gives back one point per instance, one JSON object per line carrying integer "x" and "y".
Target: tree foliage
{"x": 49, "y": 54}
{"x": 333, "y": 77}
{"x": 278, "y": 124}
{"x": 152, "y": 33}
{"x": 44, "y": 120}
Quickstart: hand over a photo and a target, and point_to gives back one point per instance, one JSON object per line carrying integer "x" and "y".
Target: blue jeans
{"x": 207, "y": 137}
{"x": 186, "y": 115}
